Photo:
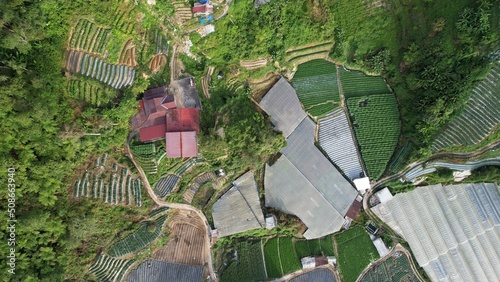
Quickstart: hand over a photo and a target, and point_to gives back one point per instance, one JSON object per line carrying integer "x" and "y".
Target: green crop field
{"x": 271, "y": 255}
{"x": 376, "y": 123}
{"x": 357, "y": 84}
{"x": 317, "y": 247}
{"x": 317, "y": 87}
{"x": 248, "y": 267}
{"x": 355, "y": 252}
{"x": 288, "y": 257}
{"x": 395, "y": 268}
{"x": 90, "y": 92}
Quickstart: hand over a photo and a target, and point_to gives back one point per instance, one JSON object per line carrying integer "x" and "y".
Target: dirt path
{"x": 162, "y": 203}
{"x": 172, "y": 63}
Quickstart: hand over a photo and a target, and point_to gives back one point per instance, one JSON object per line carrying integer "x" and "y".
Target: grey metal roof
{"x": 337, "y": 141}
{"x": 283, "y": 105}
{"x": 160, "y": 271}
{"x": 453, "y": 231}
{"x": 317, "y": 275}
{"x": 238, "y": 210}
{"x": 304, "y": 183}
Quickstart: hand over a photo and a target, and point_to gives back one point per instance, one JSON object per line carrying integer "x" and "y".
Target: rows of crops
{"x": 114, "y": 185}
{"x": 106, "y": 268}
{"x": 88, "y": 36}
{"x": 280, "y": 257}
{"x": 317, "y": 247}
{"x": 395, "y": 268}
{"x": 249, "y": 266}
{"x": 291, "y": 55}
{"x": 92, "y": 93}
{"x": 479, "y": 117}
{"x": 357, "y": 84}
{"x": 116, "y": 76}
{"x": 401, "y": 157}
{"x": 166, "y": 184}
{"x": 355, "y": 252}
{"x": 139, "y": 239}
{"x": 376, "y": 123}
{"x": 317, "y": 86}
{"x": 146, "y": 156}
{"x": 124, "y": 18}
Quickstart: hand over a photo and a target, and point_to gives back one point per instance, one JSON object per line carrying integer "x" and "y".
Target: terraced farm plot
{"x": 110, "y": 182}
{"x": 303, "y": 54}
{"x": 82, "y": 63}
{"x": 88, "y": 36}
{"x": 288, "y": 257}
{"x": 317, "y": 247}
{"x": 90, "y": 92}
{"x": 124, "y": 17}
{"x": 186, "y": 240}
{"x": 479, "y": 117}
{"x": 139, "y": 239}
{"x": 355, "y": 252}
{"x": 249, "y": 266}
{"x": 280, "y": 257}
{"x": 358, "y": 84}
{"x": 317, "y": 87}
{"x": 273, "y": 264}
{"x": 106, "y": 268}
{"x": 395, "y": 268}
{"x": 376, "y": 123}
{"x": 146, "y": 155}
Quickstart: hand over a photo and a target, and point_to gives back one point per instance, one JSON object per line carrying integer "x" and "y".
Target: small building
{"x": 332, "y": 260}
{"x": 362, "y": 184}
{"x": 371, "y": 228}
{"x": 270, "y": 222}
{"x": 200, "y": 9}
{"x": 384, "y": 195}
{"x": 308, "y": 262}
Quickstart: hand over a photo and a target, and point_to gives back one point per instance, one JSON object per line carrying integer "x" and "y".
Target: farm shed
{"x": 181, "y": 144}
{"x": 304, "y": 183}
{"x": 238, "y": 210}
{"x": 362, "y": 184}
{"x": 283, "y": 105}
{"x": 159, "y": 271}
{"x": 452, "y": 230}
{"x": 336, "y": 139}
{"x": 317, "y": 275}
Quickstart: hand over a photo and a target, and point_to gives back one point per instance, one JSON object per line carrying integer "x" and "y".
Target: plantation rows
{"x": 87, "y": 36}
{"x": 106, "y": 268}
{"x": 317, "y": 87}
{"x": 324, "y": 47}
{"x": 480, "y": 115}
{"x": 166, "y": 185}
{"x": 157, "y": 211}
{"x": 124, "y": 18}
{"x": 115, "y": 186}
{"x": 139, "y": 239}
{"x": 355, "y": 252}
{"x": 401, "y": 157}
{"x": 91, "y": 93}
{"x": 116, "y": 76}
{"x": 357, "y": 84}
{"x": 396, "y": 269}
{"x": 282, "y": 256}
{"x": 376, "y": 123}
{"x": 146, "y": 155}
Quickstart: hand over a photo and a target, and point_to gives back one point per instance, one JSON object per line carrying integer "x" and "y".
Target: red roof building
{"x": 159, "y": 117}
{"x": 202, "y": 9}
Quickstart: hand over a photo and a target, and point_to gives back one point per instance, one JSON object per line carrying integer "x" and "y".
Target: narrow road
{"x": 162, "y": 203}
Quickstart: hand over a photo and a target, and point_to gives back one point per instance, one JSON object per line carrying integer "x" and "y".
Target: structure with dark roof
{"x": 303, "y": 182}
{"x": 238, "y": 210}
{"x": 158, "y": 271}
{"x": 171, "y": 113}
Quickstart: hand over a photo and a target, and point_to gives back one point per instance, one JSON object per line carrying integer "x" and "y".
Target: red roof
{"x": 173, "y": 143}
{"x": 181, "y": 144}
{"x": 199, "y": 9}
{"x": 353, "y": 211}
{"x": 152, "y": 132}
{"x": 184, "y": 119}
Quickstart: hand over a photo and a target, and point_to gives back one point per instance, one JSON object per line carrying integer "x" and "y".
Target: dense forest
{"x": 431, "y": 52}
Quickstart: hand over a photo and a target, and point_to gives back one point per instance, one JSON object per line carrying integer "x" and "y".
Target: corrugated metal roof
{"x": 453, "y": 231}
{"x": 189, "y": 146}
{"x": 238, "y": 210}
{"x": 317, "y": 275}
{"x": 184, "y": 119}
{"x": 337, "y": 141}
{"x": 283, "y": 105}
{"x": 157, "y": 92}
{"x": 152, "y": 133}
{"x": 173, "y": 143}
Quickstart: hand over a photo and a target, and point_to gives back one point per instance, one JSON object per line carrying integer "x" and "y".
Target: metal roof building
{"x": 238, "y": 210}
{"x": 453, "y": 231}
{"x": 181, "y": 144}
{"x": 336, "y": 139}
{"x": 283, "y": 105}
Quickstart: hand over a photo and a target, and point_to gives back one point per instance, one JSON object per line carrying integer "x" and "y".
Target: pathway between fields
{"x": 162, "y": 203}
